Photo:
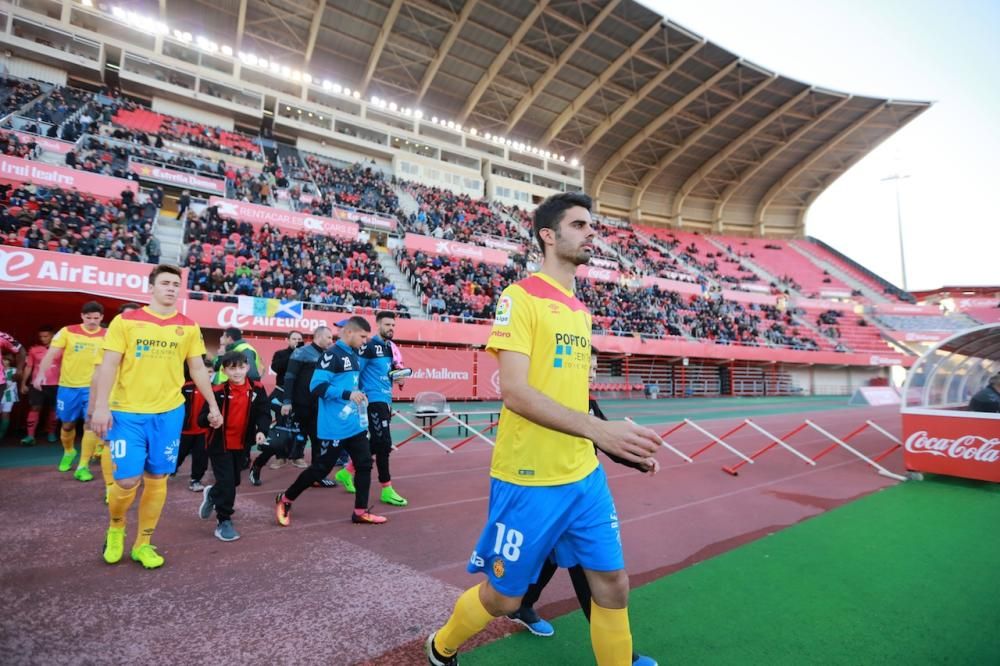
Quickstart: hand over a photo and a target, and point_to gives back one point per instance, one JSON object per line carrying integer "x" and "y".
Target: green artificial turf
{"x": 908, "y": 575}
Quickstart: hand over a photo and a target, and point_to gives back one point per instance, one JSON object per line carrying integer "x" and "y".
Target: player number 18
{"x": 511, "y": 547}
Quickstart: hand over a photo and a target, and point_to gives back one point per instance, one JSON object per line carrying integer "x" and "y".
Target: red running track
{"x": 327, "y": 591}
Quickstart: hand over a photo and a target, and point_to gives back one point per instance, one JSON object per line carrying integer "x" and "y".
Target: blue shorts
{"x": 577, "y": 522}
{"x": 145, "y": 442}
{"x": 71, "y": 403}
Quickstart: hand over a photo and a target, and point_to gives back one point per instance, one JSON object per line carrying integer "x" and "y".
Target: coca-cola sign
{"x": 955, "y": 443}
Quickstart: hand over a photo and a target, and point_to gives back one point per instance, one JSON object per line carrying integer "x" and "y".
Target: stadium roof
{"x": 669, "y": 126}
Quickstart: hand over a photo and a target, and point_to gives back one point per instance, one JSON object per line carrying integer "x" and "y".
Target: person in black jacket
{"x": 279, "y": 362}
{"x": 987, "y": 399}
{"x": 298, "y": 398}
{"x": 246, "y": 421}
{"x": 526, "y": 614}
{"x": 183, "y": 203}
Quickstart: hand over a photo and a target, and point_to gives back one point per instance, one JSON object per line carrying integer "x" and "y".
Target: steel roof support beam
{"x": 731, "y": 148}
{"x": 545, "y": 79}
{"x": 603, "y": 78}
{"x": 241, "y": 24}
{"x": 442, "y": 52}
{"x": 501, "y": 59}
{"x": 383, "y": 37}
{"x": 803, "y": 165}
{"x": 656, "y": 124}
{"x": 641, "y": 94}
{"x": 692, "y": 139}
{"x": 317, "y": 19}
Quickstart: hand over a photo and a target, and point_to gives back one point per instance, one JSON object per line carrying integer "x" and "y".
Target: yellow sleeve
{"x": 61, "y": 339}
{"x": 514, "y": 322}
{"x": 196, "y": 344}
{"x": 116, "y": 339}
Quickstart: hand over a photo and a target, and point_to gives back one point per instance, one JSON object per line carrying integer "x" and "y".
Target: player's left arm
{"x": 260, "y": 415}
{"x": 201, "y": 379}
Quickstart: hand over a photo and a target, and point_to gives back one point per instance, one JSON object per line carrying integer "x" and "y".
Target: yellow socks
{"x": 87, "y": 446}
{"x": 68, "y": 438}
{"x": 468, "y": 619}
{"x": 610, "y": 635}
{"x": 119, "y": 500}
{"x": 107, "y": 467}
{"x": 150, "y": 506}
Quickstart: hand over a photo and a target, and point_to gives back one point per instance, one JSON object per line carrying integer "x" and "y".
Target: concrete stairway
{"x": 404, "y": 295}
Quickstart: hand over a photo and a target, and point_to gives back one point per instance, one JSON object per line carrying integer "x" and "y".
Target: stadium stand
{"x": 445, "y": 214}
{"x": 353, "y": 185}
{"x": 15, "y": 93}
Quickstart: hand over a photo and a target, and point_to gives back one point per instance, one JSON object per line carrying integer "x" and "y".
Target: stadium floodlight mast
{"x": 895, "y": 178}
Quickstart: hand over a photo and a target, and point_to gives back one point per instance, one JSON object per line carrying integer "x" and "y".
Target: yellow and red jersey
{"x": 539, "y": 318}
{"x": 154, "y": 349}
{"x": 80, "y": 349}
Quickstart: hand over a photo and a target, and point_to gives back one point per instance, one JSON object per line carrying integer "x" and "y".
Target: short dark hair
{"x": 125, "y": 307}
{"x": 91, "y": 307}
{"x": 46, "y": 328}
{"x": 550, "y": 212}
{"x": 384, "y": 314}
{"x": 233, "y": 333}
{"x": 230, "y": 359}
{"x": 358, "y": 322}
{"x": 291, "y": 333}
{"x": 161, "y": 269}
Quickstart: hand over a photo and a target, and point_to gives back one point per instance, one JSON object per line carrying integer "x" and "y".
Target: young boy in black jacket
{"x": 246, "y": 419}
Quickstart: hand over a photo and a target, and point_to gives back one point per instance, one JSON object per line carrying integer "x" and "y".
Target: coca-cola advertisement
{"x": 961, "y": 444}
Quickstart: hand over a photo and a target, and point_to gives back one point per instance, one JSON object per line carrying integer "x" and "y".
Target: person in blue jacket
{"x": 377, "y": 365}
{"x": 342, "y": 422}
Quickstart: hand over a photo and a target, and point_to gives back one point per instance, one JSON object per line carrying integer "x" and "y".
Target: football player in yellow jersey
{"x": 139, "y": 409}
{"x": 77, "y": 347}
{"x": 548, "y": 493}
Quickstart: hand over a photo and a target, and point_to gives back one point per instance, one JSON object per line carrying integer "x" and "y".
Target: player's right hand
{"x": 625, "y": 439}
{"x": 358, "y": 397}
{"x": 37, "y": 384}
{"x": 101, "y": 422}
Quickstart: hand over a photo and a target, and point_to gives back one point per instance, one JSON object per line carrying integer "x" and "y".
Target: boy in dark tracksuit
{"x": 341, "y": 423}
{"x": 193, "y": 435}
{"x": 246, "y": 419}
{"x": 526, "y": 614}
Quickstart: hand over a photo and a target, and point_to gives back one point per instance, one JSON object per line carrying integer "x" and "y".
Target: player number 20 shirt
{"x": 541, "y": 319}
{"x": 154, "y": 349}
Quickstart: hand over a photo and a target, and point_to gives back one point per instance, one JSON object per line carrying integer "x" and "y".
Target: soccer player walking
{"x": 548, "y": 492}
{"x": 377, "y": 364}
{"x": 139, "y": 408}
{"x": 77, "y": 347}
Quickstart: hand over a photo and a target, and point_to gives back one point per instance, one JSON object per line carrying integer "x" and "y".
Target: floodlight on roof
{"x": 307, "y": 77}
{"x": 434, "y": 119}
{"x": 118, "y": 13}
{"x": 337, "y": 88}
{"x": 87, "y": 3}
{"x": 392, "y": 106}
{"x": 262, "y": 63}
{"x": 347, "y": 91}
{"x": 487, "y": 136}
{"x": 327, "y": 85}
{"x": 574, "y": 162}
{"x": 451, "y": 124}
{"x": 275, "y": 67}
{"x": 374, "y": 100}
{"x": 472, "y": 131}
{"x": 356, "y": 94}
{"x": 286, "y": 71}
{"x": 227, "y": 51}
{"x": 418, "y": 114}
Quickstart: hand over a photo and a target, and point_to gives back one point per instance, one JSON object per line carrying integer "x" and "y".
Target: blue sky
{"x": 948, "y": 53}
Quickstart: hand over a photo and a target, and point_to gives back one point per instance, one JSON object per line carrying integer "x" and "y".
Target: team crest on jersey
{"x": 179, "y": 331}
{"x": 504, "y": 307}
{"x": 498, "y": 568}
{"x": 347, "y": 364}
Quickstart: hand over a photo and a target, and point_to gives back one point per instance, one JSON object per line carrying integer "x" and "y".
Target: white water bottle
{"x": 363, "y": 414}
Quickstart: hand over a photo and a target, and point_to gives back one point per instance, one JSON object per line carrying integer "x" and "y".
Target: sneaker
{"x": 207, "y": 505}
{"x": 435, "y": 658}
{"x": 195, "y": 486}
{"x": 642, "y": 660}
{"x": 66, "y": 462}
{"x": 368, "y": 518}
{"x": 529, "y": 618}
{"x": 254, "y": 475}
{"x": 346, "y": 479}
{"x": 390, "y": 496}
{"x": 283, "y": 510}
{"x": 277, "y": 463}
{"x": 147, "y": 556}
{"x": 28, "y": 441}
{"x": 300, "y": 463}
{"x": 52, "y": 438}
{"x": 226, "y": 532}
{"x": 83, "y": 474}
{"x": 114, "y": 545}
{"x": 324, "y": 483}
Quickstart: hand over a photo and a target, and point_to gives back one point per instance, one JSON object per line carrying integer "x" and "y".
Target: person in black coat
{"x": 987, "y": 399}
{"x": 246, "y": 420}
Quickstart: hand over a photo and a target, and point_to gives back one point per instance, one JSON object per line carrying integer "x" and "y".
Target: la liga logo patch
{"x": 504, "y": 307}
{"x": 499, "y": 569}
